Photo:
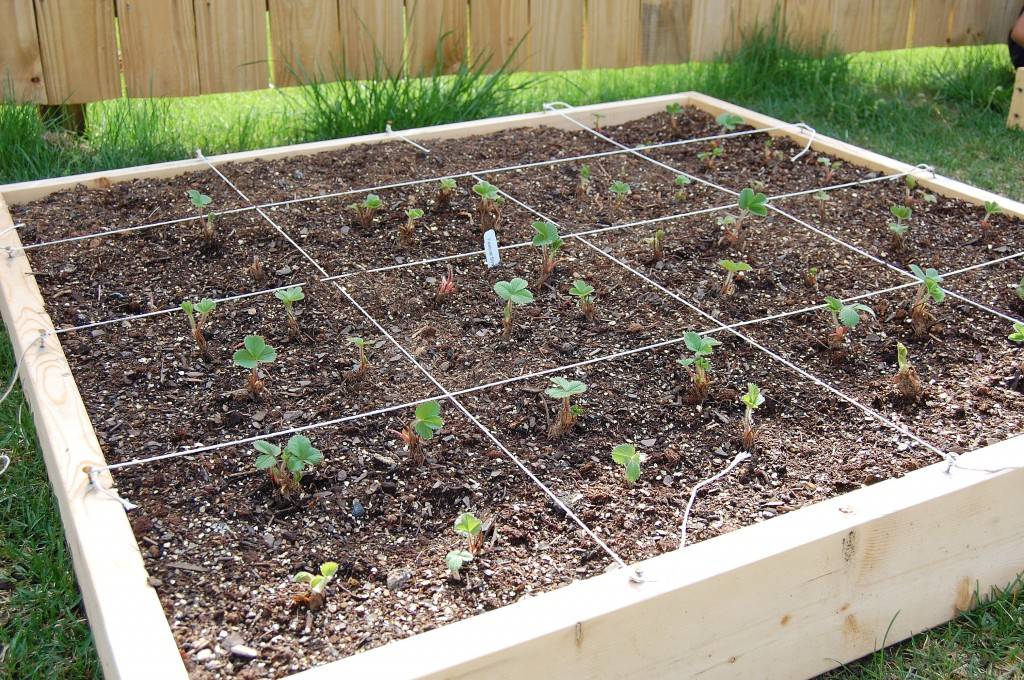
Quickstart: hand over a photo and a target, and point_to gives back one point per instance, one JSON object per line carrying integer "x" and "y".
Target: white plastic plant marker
{"x": 492, "y": 256}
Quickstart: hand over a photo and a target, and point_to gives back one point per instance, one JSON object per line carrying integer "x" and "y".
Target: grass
{"x": 946, "y": 107}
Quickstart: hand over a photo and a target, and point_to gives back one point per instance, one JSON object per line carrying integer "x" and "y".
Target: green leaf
{"x": 1018, "y": 333}
{"x": 206, "y": 306}
{"x": 456, "y": 559}
{"x": 303, "y": 577}
{"x": 674, "y": 109}
{"x": 187, "y": 307}
{"x": 848, "y": 316}
{"x": 753, "y": 397}
{"x": 357, "y": 341}
{"x": 564, "y": 388}
{"x": 468, "y": 525}
{"x": 682, "y": 180}
{"x": 448, "y": 183}
{"x": 754, "y": 203}
{"x": 633, "y": 470}
{"x": 833, "y": 304}
{"x": 900, "y": 212}
{"x": 734, "y": 267}
{"x": 546, "y": 234}
{"x": 259, "y": 350}
{"x": 581, "y": 289}
{"x": 428, "y": 420}
{"x": 693, "y": 341}
{"x": 265, "y": 461}
{"x": 486, "y": 191}
{"x": 992, "y": 208}
{"x": 198, "y": 199}
{"x": 822, "y": 196}
{"x": 328, "y": 569}
{"x": 515, "y": 291}
{"x": 729, "y": 121}
{"x": 901, "y": 355}
{"x": 372, "y": 202}
{"x": 414, "y": 213}
{"x": 290, "y": 295}
{"x": 620, "y": 188}
{"x": 623, "y": 453}
{"x": 302, "y": 449}
{"x": 898, "y": 229}
{"x": 245, "y": 359}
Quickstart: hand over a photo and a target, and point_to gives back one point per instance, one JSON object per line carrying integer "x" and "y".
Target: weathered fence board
{"x": 430, "y": 21}
{"x": 21, "y": 73}
{"x": 79, "y": 50}
{"x": 232, "y": 45}
{"x": 305, "y": 37}
{"x": 666, "y": 31}
{"x": 497, "y": 29}
{"x": 613, "y": 34}
{"x": 158, "y": 42}
{"x": 374, "y": 31}
{"x": 556, "y": 38}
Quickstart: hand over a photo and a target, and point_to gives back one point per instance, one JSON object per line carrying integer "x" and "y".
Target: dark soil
{"x": 222, "y": 544}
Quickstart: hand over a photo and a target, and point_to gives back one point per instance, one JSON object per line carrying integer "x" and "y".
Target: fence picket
{"x": 78, "y": 46}
{"x": 158, "y": 41}
{"x": 428, "y": 21}
{"x": 21, "y": 65}
{"x": 305, "y": 39}
{"x": 231, "y": 37}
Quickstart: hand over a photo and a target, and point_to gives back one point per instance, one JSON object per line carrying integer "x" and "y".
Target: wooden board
{"x": 612, "y": 34}
{"x": 305, "y": 37}
{"x": 21, "y": 65}
{"x": 497, "y": 29}
{"x": 556, "y": 35}
{"x": 374, "y": 34}
{"x": 932, "y": 22}
{"x": 430, "y": 21}
{"x": 79, "y": 50}
{"x": 796, "y": 594}
{"x": 713, "y": 28}
{"x": 158, "y": 45}
{"x": 1016, "y": 117}
{"x": 665, "y": 26}
{"x": 231, "y": 37}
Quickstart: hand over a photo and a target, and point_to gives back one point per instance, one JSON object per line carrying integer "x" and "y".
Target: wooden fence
{"x": 75, "y": 51}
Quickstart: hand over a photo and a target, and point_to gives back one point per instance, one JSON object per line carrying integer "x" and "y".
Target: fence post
{"x": 1016, "y": 118}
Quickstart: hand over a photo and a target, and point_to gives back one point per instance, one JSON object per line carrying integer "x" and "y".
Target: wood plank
{"x": 128, "y": 625}
{"x": 755, "y": 14}
{"x": 556, "y": 35}
{"x": 1000, "y": 21}
{"x": 231, "y": 36}
{"x": 853, "y": 24}
{"x": 1016, "y": 116}
{"x": 809, "y": 22}
{"x": 797, "y": 594}
{"x": 428, "y": 21}
{"x": 78, "y": 46}
{"x": 305, "y": 38}
{"x": 374, "y": 35}
{"x": 158, "y": 46}
{"x": 970, "y": 21}
{"x": 891, "y": 24}
{"x": 613, "y": 34}
{"x": 21, "y": 65}
{"x": 713, "y": 28}
{"x": 666, "y": 31}
{"x": 932, "y": 22}
{"x": 496, "y": 29}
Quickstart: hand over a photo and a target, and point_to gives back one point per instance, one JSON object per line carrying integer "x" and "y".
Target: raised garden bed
{"x": 849, "y": 513}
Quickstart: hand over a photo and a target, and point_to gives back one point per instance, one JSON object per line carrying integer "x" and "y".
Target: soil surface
{"x": 222, "y": 543}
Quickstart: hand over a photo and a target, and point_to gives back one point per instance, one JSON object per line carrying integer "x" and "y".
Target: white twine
{"x": 387, "y": 129}
{"x": 18, "y": 363}
{"x": 5, "y": 462}
{"x": 97, "y": 486}
{"x": 805, "y": 128}
{"x": 740, "y": 457}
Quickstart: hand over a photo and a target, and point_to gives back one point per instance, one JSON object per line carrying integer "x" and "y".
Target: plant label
{"x": 491, "y": 254}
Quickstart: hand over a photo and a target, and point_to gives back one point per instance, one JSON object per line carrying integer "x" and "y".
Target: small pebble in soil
{"x": 398, "y": 578}
{"x": 357, "y": 509}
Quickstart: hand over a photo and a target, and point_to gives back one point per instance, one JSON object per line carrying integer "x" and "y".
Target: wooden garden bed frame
{"x": 789, "y": 597}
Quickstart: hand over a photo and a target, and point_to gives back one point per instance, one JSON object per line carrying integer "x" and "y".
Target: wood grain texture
{"x": 1000, "y": 20}
{"x": 374, "y": 35}
{"x": 556, "y": 35}
{"x": 810, "y": 21}
{"x": 1016, "y": 117}
{"x": 613, "y": 34}
{"x": 429, "y": 21}
{"x": 665, "y": 26}
{"x": 158, "y": 46}
{"x": 231, "y": 37}
{"x": 305, "y": 38}
{"x": 21, "y": 65}
{"x": 128, "y": 624}
{"x": 932, "y": 22}
{"x": 497, "y": 28}
{"x": 78, "y": 46}
{"x": 891, "y": 24}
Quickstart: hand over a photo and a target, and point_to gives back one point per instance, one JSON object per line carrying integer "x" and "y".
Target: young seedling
{"x": 583, "y": 188}
{"x": 910, "y": 184}
{"x": 314, "y": 597}
{"x": 921, "y": 317}
{"x": 366, "y": 210}
{"x": 455, "y": 560}
{"x": 469, "y": 527}
{"x": 732, "y": 270}
{"x": 822, "y": 198}
{"x": 445, "y": 191}
{"x": 445, "y": 287}
{"x": 514, "y": 293}
{"x": 425, "y": 424}
{"x": 675, "y": 112}
{"x": 597, "y": 119}
{"x": 255, "y": 351}
{"x": 811, "y": 277}
{"x": 407, "y": 232}
{"x": 710, "y": 156}
{"x": 657, "y": 244}
{"x": 288, "y": 297}
{"x": 698, "y": 366}
{"x": 547, "y": 239}
{"x": 751, "y": 400}
{"x": 907, "y": 382}
{"x": 844, "y": 318}
{"x": 621, "y": 190}
{"x": 991, "y": 208}
{"x": 565, "y": 389}
{"x": 287, "y": 466}
{"x": 584, "y": 294}
{"x": 201, "y": 202}
{"x": 1017, "y": 336}
{"x": 898, "y": 229}
{"x": 197, "y": 314}
{"x": 255, "y": 269}
{"x": 729, "y": 121}
{"x": 360, "y": 344}
{"x": 750, "y": 204}
{"x": 769, "y": 145}
{"x": 731, "y": 236}
{"x": 830, "y": 167}
{"x": 491, "y": 202}
{"x": 629, "y": 458}
{"x": 1019, "y": 290}
{"x": 682, "y": 181}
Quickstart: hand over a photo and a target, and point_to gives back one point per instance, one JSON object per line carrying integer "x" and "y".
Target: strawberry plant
{"x": 991, "y": 208}
{"x": 930, "y": 290}
{"x": 363, "y": 363}
{"x": 728, "y": 121}
{"x": 469, "y": 527}
{"x": 750, "y": 204}
{"x": 425, "y": 424}
{"x": 201, "y": 202}
{"x": 675, "y": 112}
{"x": 288, "y": 297}
{"x": 822, "y": 198}
{"x": 844, "y": 318}
{"x": 830, "y": 167}
{"x": 445, "y": 191}
{"x": 287, "y": 466}
{"x": 314, "y": 597}
{"x": 584, "y": 294}
{"x": 751, "y": 400}
{"x": 514, "y": 293}
{"x": 682, "y": 181}
{"x": 907, "y": 381}
{"x": 565, "y": 389}
{"x": 547, "y": 239}
{"x": 620, "y": 189}
{"x": 732, "y": 270}
{"x": 490, "y": 205}
{"x": 367, "y": 209}
{"x": 407, "y": 232}
{"x": 630, "y": 459}
{"x": 445, "y": 287}
{"x": 583, "y": 188}
{"x": 255, "y": 351}
{"x": 657, "y": 244}
{"x": 711, "y": 155}
{"x": 697, "y": 365}
{"x": 197, "y": 314}
{"x": 898, "y": 229}
{"x": 455, "y": 560}
{"x": 811, "y": 277}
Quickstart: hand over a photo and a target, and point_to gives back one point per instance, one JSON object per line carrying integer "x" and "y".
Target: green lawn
{"x": 946, "y": 107}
